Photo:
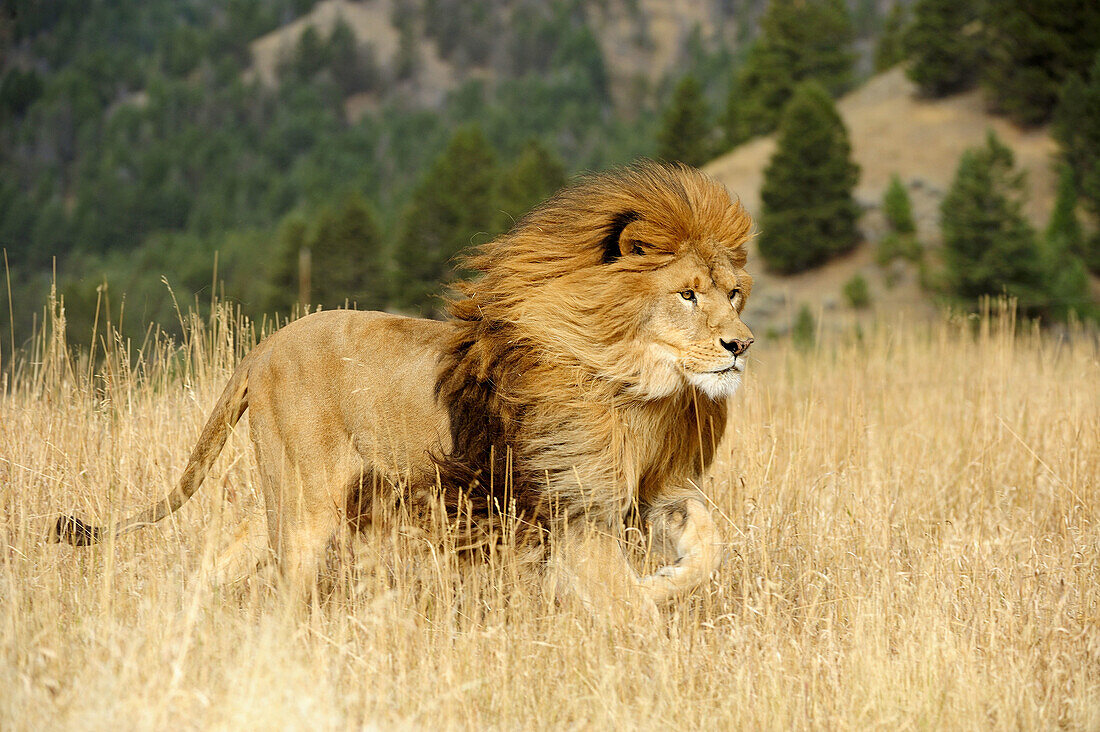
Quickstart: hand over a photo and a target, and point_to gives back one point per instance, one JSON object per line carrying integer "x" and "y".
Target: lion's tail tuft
{"x": 74, "y": 531}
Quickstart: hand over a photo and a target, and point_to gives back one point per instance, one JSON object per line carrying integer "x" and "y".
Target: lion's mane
{"x": 547, "y": 349}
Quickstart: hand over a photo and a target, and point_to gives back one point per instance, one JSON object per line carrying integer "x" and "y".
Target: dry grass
{"x": 913, "y": 543}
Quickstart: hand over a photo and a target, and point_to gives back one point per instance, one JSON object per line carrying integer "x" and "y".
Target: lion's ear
{"x": 614, "y": 244}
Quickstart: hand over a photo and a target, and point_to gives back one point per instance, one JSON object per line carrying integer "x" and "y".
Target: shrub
{"x": 897, "y": 208}
{"x": 857, "y": 293}
{"x": 894, "y": 246}
{"x": 804, "y": 330}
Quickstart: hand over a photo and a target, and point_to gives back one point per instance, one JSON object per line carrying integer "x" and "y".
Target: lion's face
{"x": 693, "y": 329}
{"x": 635, "y": 277}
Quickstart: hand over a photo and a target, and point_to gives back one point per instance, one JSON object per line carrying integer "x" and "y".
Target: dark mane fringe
{"x": 485, "y": 487}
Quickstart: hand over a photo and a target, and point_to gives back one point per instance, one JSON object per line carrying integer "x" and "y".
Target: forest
{"x": 144, "y": 167}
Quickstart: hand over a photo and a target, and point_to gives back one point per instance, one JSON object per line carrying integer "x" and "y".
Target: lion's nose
{"x": 737, "y": 346}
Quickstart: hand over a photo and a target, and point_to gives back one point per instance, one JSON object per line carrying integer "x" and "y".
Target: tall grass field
{"x": 910, "y": 516}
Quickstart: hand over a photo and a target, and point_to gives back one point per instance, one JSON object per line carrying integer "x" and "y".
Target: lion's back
{"x": 347, "y": 378}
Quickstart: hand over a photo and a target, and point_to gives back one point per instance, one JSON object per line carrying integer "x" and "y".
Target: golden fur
{"x": 582, "y": 380}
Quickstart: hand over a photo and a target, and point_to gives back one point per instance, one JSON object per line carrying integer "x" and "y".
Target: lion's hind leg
{"x": 246, "y": 553}
{"x": 300, "y": 500}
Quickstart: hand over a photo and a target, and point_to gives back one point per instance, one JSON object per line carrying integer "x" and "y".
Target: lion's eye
{"x": 734, "y": 296}
{"x": 688, "y": 295}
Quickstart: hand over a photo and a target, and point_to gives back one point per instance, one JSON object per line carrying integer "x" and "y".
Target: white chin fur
{"x": 661, "y": 376}
{"x": 715, "y": 386}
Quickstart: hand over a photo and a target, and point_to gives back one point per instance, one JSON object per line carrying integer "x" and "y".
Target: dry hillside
{"x": 892, "y": 131}
{"x": 642, "y": 42}
{"x": 372, "y": 24}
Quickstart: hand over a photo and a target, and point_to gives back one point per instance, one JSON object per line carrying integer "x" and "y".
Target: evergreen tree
{"x": 901, "y": 240}
{"x": 580, "y": 56}
{"x": 291, "y": 238}
{"x": 452, "y": 208}
{"x": 347, "y": 260}
{"x": 896, "y": 207}
{"x": 407, "y": 61}
{"x": 311, "y": 54}
{"x": 182, "y": 50}
{"x": 800, "y": 40}
{"x": 18, "y": 91}
{"x": 890, "y": 49}
{"x": 809, "y": 214}
{"x": 535, "y": 175}
{"x": 346, "y": 255}
{"x": 1064, "y": 227}
{"x": 943, "y": 46}
{"x": 1077, "y": 127}
{"x": 354, "y": 68}
{"x": 988, "y": 245}
{"x": 1067, "y": 279}
{"x": 1031, "y": 46}
{"x": 1072, "y": 125}
{"x": 685, "y": 130}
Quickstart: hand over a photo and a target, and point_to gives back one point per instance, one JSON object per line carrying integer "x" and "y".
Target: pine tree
{"x": 347, "y": 261}
{"x": 407, "y": 61}
{"x": 685, "y": 130}
{"x": 535, "y": 175}
{"x": 311, "y": 54}
{"x": 890, "y": 49}
{"x": 1077, "y": 127}
{"x": 897, "y": 208}
{"x": 18, "y": 90}
{"x": 800, "y": 40}
{"x": 346, "y": 255}
{"x": 354, "y": 68}
{"x": 943, "y": 46}
{"x": 1030, "y": 48}
{"x": 809, "y": 214}
{"x": 291, "y": 237}
{"x": 1067, "y": 282}
{"x": 1064, "y": 227}
{"x": 452, "y": 208}
{"x": 1071, "y": 125}
{"x": 988, "y": 245}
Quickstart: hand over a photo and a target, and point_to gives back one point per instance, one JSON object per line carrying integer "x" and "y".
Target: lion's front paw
{"x": 682, "y": 577}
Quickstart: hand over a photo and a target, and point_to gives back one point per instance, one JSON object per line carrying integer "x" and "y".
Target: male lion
{"x": 581, "y": 383}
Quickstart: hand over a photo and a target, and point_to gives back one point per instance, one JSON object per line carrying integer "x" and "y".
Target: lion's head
{"x": 635, "y": 276}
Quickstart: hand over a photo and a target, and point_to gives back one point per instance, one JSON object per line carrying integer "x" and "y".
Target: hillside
{"x": 892, "y": 131}
{"x": 372, "y": 23}
{"x": 642, "y": 43}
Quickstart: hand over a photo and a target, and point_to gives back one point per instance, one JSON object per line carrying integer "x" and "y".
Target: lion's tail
{"x": 230, "y": 406}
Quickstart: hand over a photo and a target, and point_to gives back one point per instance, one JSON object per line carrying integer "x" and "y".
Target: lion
{"x": 580, "y": 384}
